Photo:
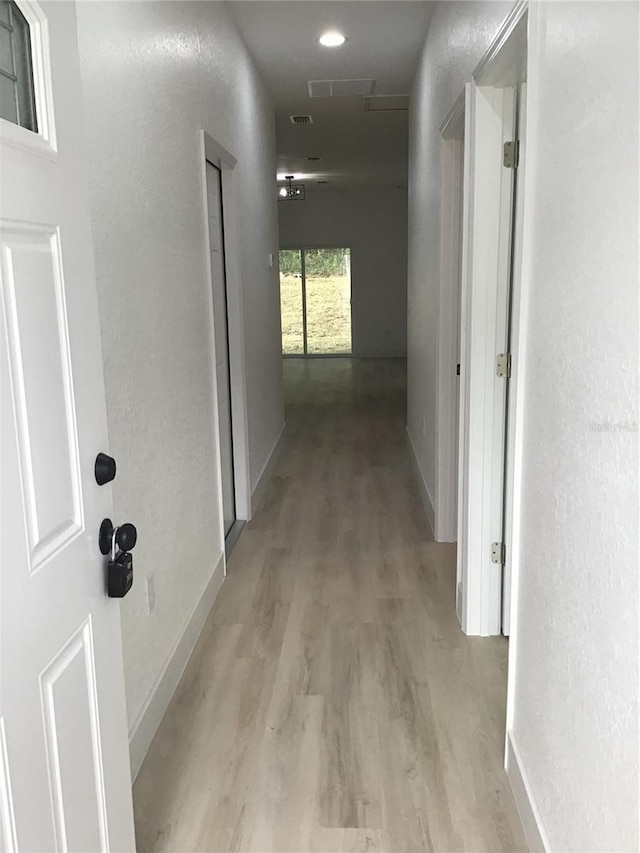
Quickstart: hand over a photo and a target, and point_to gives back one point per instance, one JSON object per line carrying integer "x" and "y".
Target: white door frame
{"x": 487, "y": 105}
{"x": 451, "y": 177}
{"x": 217, "y": 155}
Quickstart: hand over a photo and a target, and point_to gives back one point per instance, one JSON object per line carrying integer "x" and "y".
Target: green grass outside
{"x": 328, "y": 314}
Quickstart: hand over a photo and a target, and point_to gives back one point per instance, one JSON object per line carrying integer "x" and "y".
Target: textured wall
{"x": 153, "y": 75}
{"x": 576, "y": 701}
{"x": 575, "y": 715}
{"x": 374, "y": 224}
{"x": 458, "y": 37}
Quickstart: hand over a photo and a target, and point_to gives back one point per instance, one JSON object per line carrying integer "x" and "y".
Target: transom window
{"x": 17, "y": 101}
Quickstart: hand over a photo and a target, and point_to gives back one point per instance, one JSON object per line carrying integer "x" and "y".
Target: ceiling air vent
{"x": 386, "y": 103}
{"x": 339, "y": 88}
{"x": 301, "y": 119}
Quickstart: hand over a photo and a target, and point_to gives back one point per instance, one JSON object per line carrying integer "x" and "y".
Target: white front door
{"x": 221, "y": 334}
{"x": 64, "y": 763}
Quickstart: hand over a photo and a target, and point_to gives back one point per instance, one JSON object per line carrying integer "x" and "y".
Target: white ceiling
{"x": 384, "y": 43}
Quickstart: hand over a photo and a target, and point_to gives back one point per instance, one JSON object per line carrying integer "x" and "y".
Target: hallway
{"x": 332, "y": 702}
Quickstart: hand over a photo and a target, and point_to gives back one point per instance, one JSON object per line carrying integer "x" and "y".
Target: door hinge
{"x": 503, "y": 365}
{"x": 498, "y": 553}
{"x": 511, "y": 154}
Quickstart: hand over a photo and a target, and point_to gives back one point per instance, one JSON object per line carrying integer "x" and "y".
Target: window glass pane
{"x": 15, "y": 46}
{"x": 328, "y": 288}
{"x": 8, "y": 108}
{"x": 6, "y": 54}
{"x": 24, "y": 69}
{"x": 291, "y": 301}
{"x": 4, "y": 11}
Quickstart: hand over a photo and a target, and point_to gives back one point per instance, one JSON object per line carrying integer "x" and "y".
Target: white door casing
{"x": 221, "y": 337}
{"x": 514, "y": 409}
{"x": 486, "y": 255}
{"x": 64, "y": 761}
{"x": 214, "y": 154}
{"x": 487, "y": 497}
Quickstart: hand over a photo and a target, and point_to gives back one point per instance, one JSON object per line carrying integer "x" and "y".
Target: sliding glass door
{"x": 315, "y": 301}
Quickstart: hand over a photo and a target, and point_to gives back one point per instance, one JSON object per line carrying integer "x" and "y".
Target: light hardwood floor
{"x": 332, "y": 702}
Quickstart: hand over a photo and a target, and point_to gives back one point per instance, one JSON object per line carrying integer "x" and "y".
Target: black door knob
{"x": 105, "y": 469}
{"x": 126, "y": 536}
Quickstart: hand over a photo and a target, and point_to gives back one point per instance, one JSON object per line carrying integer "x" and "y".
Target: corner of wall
{"x": 521, "y": 789}
{"x": 427, "y": 500}
{"x": 260, "y": 487}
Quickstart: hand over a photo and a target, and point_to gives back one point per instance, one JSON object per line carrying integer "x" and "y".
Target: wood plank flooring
{"x": 332, "y": 702}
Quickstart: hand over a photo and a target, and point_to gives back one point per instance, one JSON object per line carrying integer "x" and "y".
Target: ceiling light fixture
{"x": 292, "y": 191}
{"x": 332, "y": 38}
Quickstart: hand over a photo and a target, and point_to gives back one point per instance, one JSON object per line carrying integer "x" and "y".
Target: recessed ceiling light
{"x": 332, "y": 38}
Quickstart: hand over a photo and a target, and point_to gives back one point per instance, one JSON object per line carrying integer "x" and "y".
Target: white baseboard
{"x": 424, "y": 491}
{"x": 258, "y": 492}
{"x": 148, "y": 720}
{"x": 531, "y": 823}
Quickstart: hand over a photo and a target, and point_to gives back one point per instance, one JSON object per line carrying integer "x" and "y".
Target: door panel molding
{"x": 7, "y": 815}
{"x": 50, "y": 474}
{"x": 75, "y": 662}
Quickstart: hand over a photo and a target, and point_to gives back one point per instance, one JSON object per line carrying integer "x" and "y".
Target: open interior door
{"x": 64, "y": 764}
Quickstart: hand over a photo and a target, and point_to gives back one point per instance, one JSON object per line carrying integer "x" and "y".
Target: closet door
{"x": 221, "y": 327}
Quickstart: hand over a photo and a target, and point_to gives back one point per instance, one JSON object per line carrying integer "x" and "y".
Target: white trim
{"x": 520, "y": 320}
{"x": 267, "y": 471}
{"x": 500, "y": 53}
{"x": 215, "y": 414}
{"x": 148, "y": 720}
{"x": 453, "y": 125}
{"x": 447, "y": 383}
{"x": 217, "y": 155}
{"x": 515, "y": 403}
{"x": 43, "y": 142}
{"x": 529, "y": 815}
{"x": 485, "y": 294}
{"x": 427, "y": 500}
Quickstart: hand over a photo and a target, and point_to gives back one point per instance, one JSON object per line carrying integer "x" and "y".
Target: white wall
{"x": 458, "y": 37}
{"x": 153, "y": 75}
{"x": 575, "y": 719}
{"x": 574, "y": 711}
{"x": 373, "y": 222}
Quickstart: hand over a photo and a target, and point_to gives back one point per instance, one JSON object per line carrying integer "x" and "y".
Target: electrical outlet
{"x": 150, "y": 593}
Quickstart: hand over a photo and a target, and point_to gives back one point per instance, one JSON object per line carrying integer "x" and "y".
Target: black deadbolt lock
{"x": 118, "y": 541}
{"x": 105, "y": 469}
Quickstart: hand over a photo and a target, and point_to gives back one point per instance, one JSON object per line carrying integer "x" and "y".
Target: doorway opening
{"x": 315, "y": 301}
{"x": 221, "y": 326}
{"x": 483, "y": 153}
{"x": 221, "y": 193}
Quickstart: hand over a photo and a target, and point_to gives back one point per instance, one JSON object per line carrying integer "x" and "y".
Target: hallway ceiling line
{"x": 358, "y": 145}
